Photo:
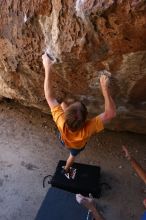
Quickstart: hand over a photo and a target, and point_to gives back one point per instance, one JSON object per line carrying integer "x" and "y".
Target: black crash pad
{"x": 87, "y": 179}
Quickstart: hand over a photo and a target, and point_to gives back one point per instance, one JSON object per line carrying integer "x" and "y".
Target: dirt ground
{"x": 29, "y": 150}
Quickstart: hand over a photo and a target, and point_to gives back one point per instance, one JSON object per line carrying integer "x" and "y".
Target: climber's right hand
{"x": 47, "y": 62}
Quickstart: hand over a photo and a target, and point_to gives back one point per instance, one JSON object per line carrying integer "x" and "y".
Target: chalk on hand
{"x": 51, "y": 58}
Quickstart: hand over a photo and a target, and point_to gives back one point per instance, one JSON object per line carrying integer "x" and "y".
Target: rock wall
{"x": 85, "y": 36}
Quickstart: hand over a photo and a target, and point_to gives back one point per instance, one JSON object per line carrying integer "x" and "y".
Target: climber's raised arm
{"x": 110, "y": 108}
{"x": 49, "y": 95}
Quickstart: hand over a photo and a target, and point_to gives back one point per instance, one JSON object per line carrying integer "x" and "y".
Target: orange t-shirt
{"x": 78, "y": 138}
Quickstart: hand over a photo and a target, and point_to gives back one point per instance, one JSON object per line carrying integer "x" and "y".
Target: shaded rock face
{"x": 85, "y": 36}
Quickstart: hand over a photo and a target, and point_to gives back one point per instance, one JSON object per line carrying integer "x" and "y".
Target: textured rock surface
{"x": 86, "y": 36}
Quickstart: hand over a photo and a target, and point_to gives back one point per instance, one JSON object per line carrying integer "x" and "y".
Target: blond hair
{"x": 75, "y": 116}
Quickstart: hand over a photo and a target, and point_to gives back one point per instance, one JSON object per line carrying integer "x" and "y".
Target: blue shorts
{"x": 74, "y": 152}
{"x": 144, "y": 216}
